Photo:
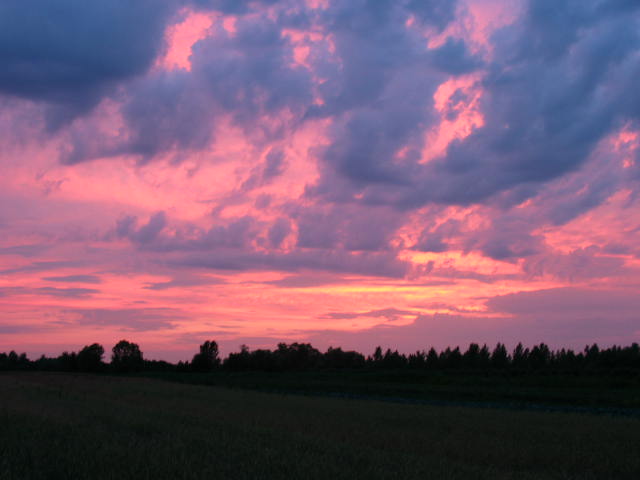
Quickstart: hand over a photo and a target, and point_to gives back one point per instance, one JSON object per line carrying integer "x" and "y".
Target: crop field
{"x": 63, "y": 426}
{"x": 611, "y": 391}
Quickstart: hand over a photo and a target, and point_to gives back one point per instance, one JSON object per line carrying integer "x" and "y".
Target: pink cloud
{"x": 182, "y": 36}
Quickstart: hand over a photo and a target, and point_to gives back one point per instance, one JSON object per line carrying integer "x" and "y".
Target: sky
{"x": 349, "y": 173}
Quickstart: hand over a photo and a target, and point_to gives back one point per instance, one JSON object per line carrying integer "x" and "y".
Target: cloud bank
{"x": 280, "y": 166}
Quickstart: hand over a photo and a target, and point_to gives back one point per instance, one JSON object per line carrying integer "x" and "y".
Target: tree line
{"x": 127, "y": 357}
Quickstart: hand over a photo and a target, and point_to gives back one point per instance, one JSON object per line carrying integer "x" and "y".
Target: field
{"x": 58, "y": 426}
{"x": 599, "y": 391}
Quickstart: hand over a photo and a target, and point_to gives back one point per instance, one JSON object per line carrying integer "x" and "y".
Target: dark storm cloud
{"x": 454, "y": 58}
{"x": 438, "y": 13}
{"x": 379, "y": 91}
{"x": 558, "y": 85}
{"x": 165, "y": 111}
{"x": 245, "y": 75}
{"x": 250, "y": 73}
{"x": 557, "y": 81}
{"x": 70, "y": 52}
{"x": 230, "y": 6}
{"x": 574, "y": 61}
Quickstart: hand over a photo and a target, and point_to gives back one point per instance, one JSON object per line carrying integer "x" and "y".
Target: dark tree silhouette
{"x": 207, "y": 359}
{"x": 393, "y": 359}
{"x": 297, "y": 356}
{"x": 539, "y": 357}
{"x": 432, "y": 359}
{"x": 240, "y": 360}
{"x": 484, "y": 360}
{"x": 500, "y": 357}
{"x": 471, "y": 358}
{"x": 450, "y": 358}
{"x": 13, "y": 359}
{"x": 520, "y": 357}
{"x": 126, "y": 357}
{"x": 377, "y": 355}
{"x": 337, "y": 358}
{"x": 593, "y": 360}
{"x": 89, "y": 359}
{"x": 68, "y": 361}
{"x": 417, "y": 359}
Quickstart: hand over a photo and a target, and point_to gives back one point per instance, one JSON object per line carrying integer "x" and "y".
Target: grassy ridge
{"x": 72, "y": 426}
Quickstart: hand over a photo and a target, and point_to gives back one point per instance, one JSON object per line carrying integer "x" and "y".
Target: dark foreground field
{"x": 612, "y": 392}
{"x": 55, "y": 426}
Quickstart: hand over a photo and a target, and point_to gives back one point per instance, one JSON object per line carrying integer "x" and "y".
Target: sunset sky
{"x": 352, "y": 173}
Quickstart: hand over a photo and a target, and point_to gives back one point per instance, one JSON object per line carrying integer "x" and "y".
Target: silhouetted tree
{"x": 393, "y": 359}
{"x": 12, "y": 360}
{"x": 539, "y": 357}
{"x": 158, "y": 366}
{"x": 520, "y": 356}
{"x": 263, "y": 359}
{"x": 450, "y": 358}
{"x": 417, "y": 359}
{"x": 484, "y": 358}
{"x": 337, "y": 358}
{"x": 207, "y": 359}
{"x": 591, "y": 355}
{"x": 593, "y": 360}
{"x": 126, "y": 357}
{"x": 46, "y": 364}
{"x": 377, "y": 356}
{"x": 432, "y": 359}
{"x": 500, "y": 357}
{"x": 89, "y": 359}
{"x": 471, "y": 358}
{"x": 68, "y": 362}
{"x": 183, "y": 366}
{"x": 297, "y": 356}
{"x": 240, "y": 360}
{"x": 631, "y": 356}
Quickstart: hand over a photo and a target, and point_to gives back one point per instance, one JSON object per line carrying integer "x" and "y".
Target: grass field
{"x": 611, "y": 391}
{"x": 57, "y": 426}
